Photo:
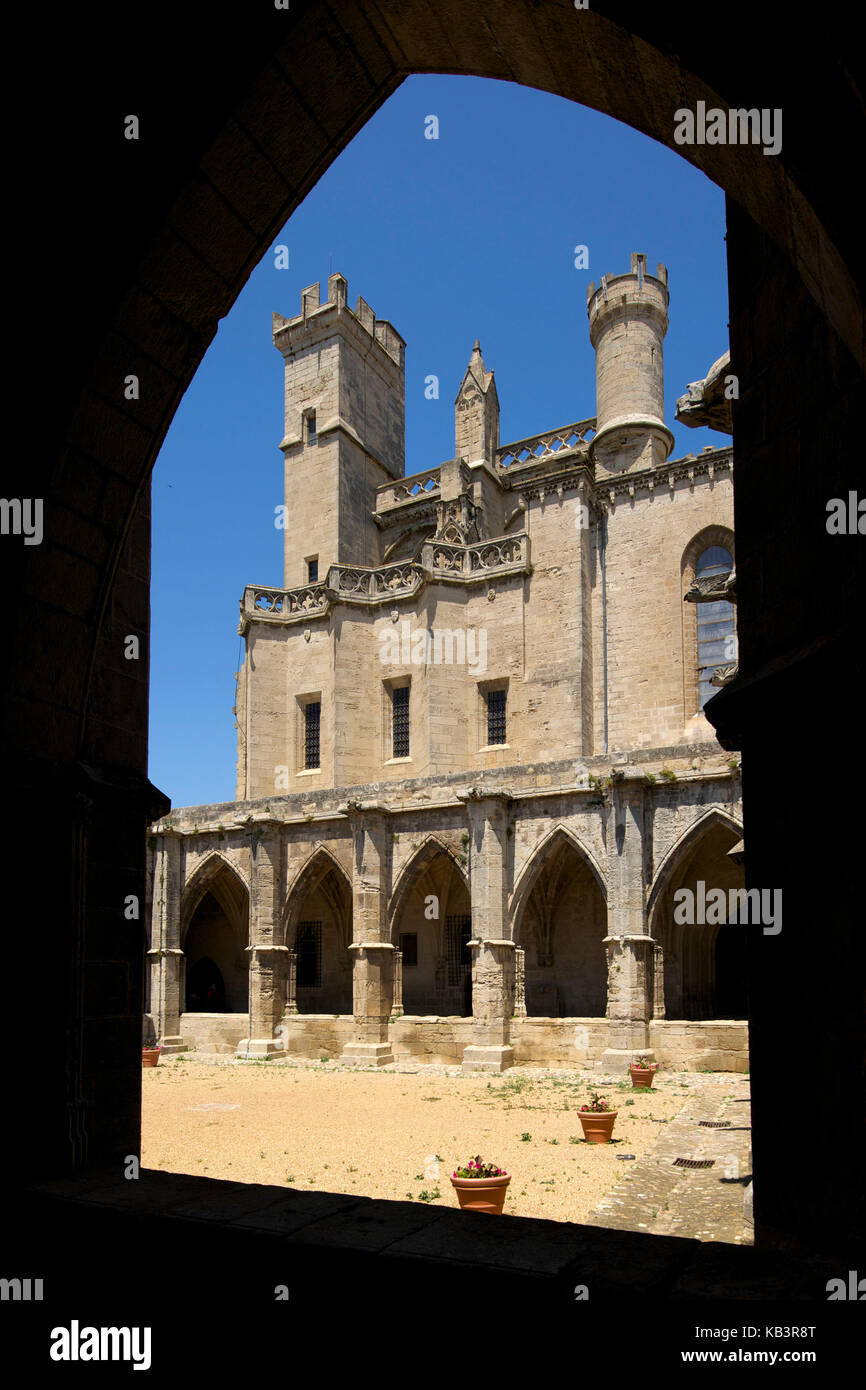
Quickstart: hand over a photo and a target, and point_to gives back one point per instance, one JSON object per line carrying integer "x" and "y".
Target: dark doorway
{"x": 205, "y": 988}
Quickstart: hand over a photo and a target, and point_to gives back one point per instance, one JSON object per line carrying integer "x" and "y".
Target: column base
{"x": 174, "y": 1044}
{"x": 254, "y": 1049}
{"x": 368, "y": 1054}
{"x": 617, "y": 1060}
{"x": 487, "y": 1058}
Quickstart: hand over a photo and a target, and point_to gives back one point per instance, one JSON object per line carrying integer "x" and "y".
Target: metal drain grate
{"x": 715, "y": 1124}
{"x": 694, "y": 1162}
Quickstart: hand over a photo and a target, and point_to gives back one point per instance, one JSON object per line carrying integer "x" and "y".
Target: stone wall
{"x": 214, "y": 1032}
{"x": 713, "y": 1046}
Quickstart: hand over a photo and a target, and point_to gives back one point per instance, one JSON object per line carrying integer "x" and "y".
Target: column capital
{"x": 363, "y": 808}
{"x": 476, "y": 794}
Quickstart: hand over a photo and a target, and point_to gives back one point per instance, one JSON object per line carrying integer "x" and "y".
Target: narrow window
{"x": 496, "y": 716}
{"x": 716, "y": 623}
{"x": 311, "y": 427}
{"x": 313, "y": 570}
{"x": 309, "y": 954}
{"x": 400, "y": 721}
{"x": 458, "y": 933}
{"x": 312, "y": 722}
{"x": 409, "y": 947}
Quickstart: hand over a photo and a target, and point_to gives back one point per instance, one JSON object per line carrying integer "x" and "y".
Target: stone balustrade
{"x": 538, "y": 448}
{"x": 416, "y": 487}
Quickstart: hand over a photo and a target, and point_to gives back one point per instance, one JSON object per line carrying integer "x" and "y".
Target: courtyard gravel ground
{"x": 399, "y": 1133}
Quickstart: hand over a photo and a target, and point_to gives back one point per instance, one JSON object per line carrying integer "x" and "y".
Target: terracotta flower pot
{"x": 151, "y": 1057}
{"x": 597, "y": 1125}
{"x": 482, "y": 1194}
{"x": 642, "y": 1076}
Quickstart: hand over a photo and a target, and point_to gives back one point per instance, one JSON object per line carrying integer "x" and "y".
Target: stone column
{"x": 519, "y": 1010}
{"x": 291, "y": 982}
{"x": 267, "y": 969}
{"x": 659, "y": 981}
{"x": 493, "y": 964}
{"x": 165, "y": 955}
{"x": 630, "y": 956}
{"x": 372, "y": 952}
{"x": 397, "y": 1006}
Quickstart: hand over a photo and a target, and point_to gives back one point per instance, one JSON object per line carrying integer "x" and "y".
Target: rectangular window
{"x": 312, "y": 724}
{"x": 311, "y": 427}
{"x": 400, "y": 721}
{"x": 409, "y": 947}
{"x": 313, "y": 570}
{"x": 309, "y": 953}
{"x": 458, "y": 932}
{"x": 496, "y": 716}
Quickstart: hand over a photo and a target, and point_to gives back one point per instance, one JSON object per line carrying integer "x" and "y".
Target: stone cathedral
{"x": 473, "y": 765}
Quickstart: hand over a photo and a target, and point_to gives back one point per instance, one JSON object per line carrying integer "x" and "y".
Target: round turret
{"x": 628, "y": 319}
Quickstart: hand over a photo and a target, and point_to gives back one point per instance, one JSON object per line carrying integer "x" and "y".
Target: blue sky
{"x": 468, "y": 236}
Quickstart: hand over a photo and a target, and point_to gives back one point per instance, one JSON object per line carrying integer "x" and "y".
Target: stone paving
{"x": 699, "y": 1203}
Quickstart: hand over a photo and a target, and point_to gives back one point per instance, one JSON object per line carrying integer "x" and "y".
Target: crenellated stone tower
{"x": 628, "y": 320}
{"x": 344, "y": 428}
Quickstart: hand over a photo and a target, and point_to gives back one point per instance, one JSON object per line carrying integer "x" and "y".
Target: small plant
{"x": 597, "y": 1104}
{"x": 476, "y": 1169}
{"x": 464, "y": 839}
{"x": 733, "y": 765}
{"x": 644, "y": 1064}
{"x": 326, "y": 1058}
{"x": 426, "y": 1196}
{"x": 668, "y": 775}
{"x": 525, "y": 1138}
{"x": 651, "y": 778}
{"x": 151, "y": 1047}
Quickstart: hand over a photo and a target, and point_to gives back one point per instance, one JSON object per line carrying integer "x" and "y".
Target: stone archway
{"x": 318, "y": 920}
{"x": 431, "y": 926}
{"x": 701, "y": 965}
{"x": 561, "y": 926}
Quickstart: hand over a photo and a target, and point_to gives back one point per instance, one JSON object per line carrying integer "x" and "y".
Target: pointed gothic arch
{"x": 674, "y": 854}
{"x": 559, "y": 915}
{"x": 701, "y": 969}
{"x": 317, "y": 927}
{"x": 214, "y": 935}
{"x": 217, "y": 875}
{"x": 430, "y": 921}
{"x": 535, "y": 862}
{"x": 414, "y": 868}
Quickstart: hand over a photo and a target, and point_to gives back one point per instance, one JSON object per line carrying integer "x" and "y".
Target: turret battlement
{"x": 619, "y": 296}
{"x": 315, "y": 315}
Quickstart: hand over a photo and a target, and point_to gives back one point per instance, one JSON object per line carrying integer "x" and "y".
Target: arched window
{"x": 716, "y": 622}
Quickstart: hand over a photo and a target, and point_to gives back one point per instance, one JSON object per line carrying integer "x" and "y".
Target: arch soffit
{"x": 534, "y": 866}
{"x": 315, "y": 867}
{"x": 678, "y": 850}
{"x": 209, "y": 877}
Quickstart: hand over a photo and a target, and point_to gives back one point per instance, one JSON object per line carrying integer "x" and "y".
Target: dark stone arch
{"x": 147, "y": 298}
